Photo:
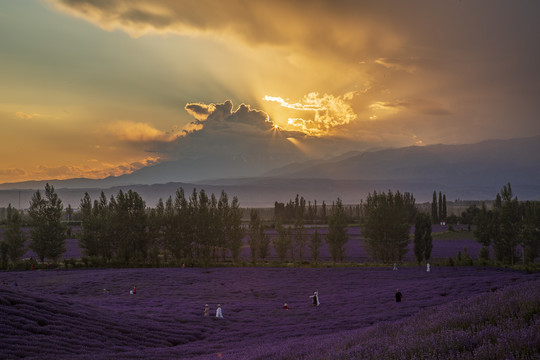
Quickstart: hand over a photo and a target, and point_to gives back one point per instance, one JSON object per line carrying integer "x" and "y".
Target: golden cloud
{"x": 407, "y": 65}
{"x": 326, "y": 112}
{"x": 96, "y": 170}
{"x": 23, "y": 115}
{"x": 138, "y": 132}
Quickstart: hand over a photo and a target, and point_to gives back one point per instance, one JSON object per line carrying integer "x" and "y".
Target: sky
{"x": 93, "y": 88}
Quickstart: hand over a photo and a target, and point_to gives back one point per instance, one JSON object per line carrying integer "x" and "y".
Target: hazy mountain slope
{"x": 493, "y": 161}
{"x": 472, "y": 171}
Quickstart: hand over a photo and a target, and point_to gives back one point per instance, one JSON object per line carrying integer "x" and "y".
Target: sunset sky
{"x": 92, "y": 88}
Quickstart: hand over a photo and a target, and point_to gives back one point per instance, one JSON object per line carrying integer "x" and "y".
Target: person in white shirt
{"x": 218, "y": 312}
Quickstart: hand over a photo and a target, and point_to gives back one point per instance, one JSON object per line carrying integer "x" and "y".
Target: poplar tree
{"x": 203, "y": 222}
{"x": 530, "y": 236}
{"x": 423, "y": 241}
{"x": 254, "y": 234}
{"x": 440, "y": 216}
{"x": 300, "y": 240}
{"x": 337, "y": 235}
{"x": 183, "y": 243}
{"x": 509, "y": 227}
{"x": 315, "y": 245}
{"x": 14, "y": 237}
{"x": 434, "y": 208}
{"x": 264, "y": 243}
{"x": 220, "y": 226}
{"x": 48, "y": 234}
{"x": 155, "y": 231}
{"x": 90, "y": 225}
{"x": 444, "y": 214}
{"x": 234, "y": 229}
{"x": 170, "y": 231}
{"x": 281, "y": 243}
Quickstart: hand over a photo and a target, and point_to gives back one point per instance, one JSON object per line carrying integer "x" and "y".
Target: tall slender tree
{"x": 423, "y": 243}
{"x": 254, "y": 234}
{"x": 444, "y": 214}
{"x": 235, "y": 231}
{"x": 434, "y": 209}
{"x": 337, "y": 235}
{"x": 281, "y": 243}
{"x": 509, "y": 227}
{"x": 264, "y": 243}
{"x": 300, "y": 240}
{"x": 440, "y": 212}
{"x": 530, "y": 235}
{"x": 184, "y": 213}
{"x": 90, "y": 226}
{"x": 170, "y": 231}
{"x": 315, "y": 246}
{"x": 48, "y": 234}
{"x": 14, "y": 236}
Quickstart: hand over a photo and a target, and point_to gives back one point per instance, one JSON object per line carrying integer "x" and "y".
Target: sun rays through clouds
{"x": 320, "y": 114}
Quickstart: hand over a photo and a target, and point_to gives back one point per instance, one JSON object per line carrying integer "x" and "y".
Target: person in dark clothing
{"x": 315, "y": 298}
{"x": 398, "y": 295}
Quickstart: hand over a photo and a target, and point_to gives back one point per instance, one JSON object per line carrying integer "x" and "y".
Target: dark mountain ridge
{"x": 468, "y": 172}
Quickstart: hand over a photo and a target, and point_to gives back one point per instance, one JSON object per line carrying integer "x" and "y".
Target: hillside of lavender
{"x": 447, "y": 313}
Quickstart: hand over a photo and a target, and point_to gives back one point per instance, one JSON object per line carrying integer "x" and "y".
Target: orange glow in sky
{"x": 93, "y": 89}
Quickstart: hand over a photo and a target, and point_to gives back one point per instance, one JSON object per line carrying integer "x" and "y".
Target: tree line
{"x": 198, "y": 228}
{"x": 510, "y": 223}
{"x": 201, "y": 229}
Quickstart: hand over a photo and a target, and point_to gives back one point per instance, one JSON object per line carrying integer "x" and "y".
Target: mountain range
{"x": 468, "y": 172}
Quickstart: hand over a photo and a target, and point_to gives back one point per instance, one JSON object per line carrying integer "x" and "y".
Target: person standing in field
{"x": 206, "y": 310}
{"x": 219, "y": 314}
{"x": 398, "y": 295}
{"x": 395, "y": 266}
{"x": 315, "y": 298}
{"x": 428, "y": 269}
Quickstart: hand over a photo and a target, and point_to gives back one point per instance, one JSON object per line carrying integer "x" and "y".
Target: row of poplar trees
{"x": 291, "y": 242}
{"x": 124, "y": 231}
{"x": 438, "y": 209}
{"x": 198, "y": 228}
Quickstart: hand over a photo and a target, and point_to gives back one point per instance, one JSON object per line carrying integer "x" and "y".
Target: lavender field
{"x": 448, "y": 313}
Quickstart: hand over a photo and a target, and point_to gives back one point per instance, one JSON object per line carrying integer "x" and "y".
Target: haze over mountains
{"x": 468, "y": 172}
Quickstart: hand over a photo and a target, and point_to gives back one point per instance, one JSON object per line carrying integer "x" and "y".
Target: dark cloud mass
{"x": 247, "y": 134}
{"x": 220, "y": 130}
{"x": 222, "y": 115}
